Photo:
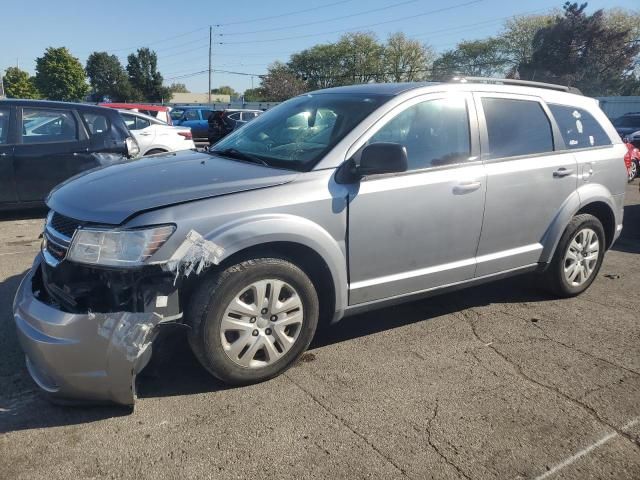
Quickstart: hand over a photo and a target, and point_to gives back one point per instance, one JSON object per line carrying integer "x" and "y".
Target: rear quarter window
{"x": 97, "y": 123}
{"x": 578, "y": 127}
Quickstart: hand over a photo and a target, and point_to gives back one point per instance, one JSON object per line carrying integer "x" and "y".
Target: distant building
{"x": 614, "y": 107}
{"x": 199, "y": 98}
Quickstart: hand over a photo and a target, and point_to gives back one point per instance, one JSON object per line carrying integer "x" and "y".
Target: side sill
{"x": 413, "y": 296}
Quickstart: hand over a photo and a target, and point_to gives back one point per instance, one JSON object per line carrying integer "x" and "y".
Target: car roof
{"x": 52, "y": 104}
{"x": 376, "y": 88}
{"x": 141, "y": 115}
{"x": 139, "y": 106}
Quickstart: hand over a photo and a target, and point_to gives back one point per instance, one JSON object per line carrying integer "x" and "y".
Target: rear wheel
{"x": 253, "y": 320}
{"x": 633, "y": 170}
{"x": 578, "y": 257}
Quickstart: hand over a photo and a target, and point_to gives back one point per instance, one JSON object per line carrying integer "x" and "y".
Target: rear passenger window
{"x": 97, "y": 124}
{"x": 516, "y": 127}
{"x": 43, "y": 126}
{"x": 579, "y": 129}
{"x": 142, "y": 123}
{"x": 435, "y": 132}
{"x": 4, "y": 126}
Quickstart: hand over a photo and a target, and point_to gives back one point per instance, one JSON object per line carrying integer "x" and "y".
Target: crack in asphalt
{"x": 349, "y": 427}
{"x": 572, "y": 347}
{"x": 436, "y": 449}
{"x": 521, "y": 374}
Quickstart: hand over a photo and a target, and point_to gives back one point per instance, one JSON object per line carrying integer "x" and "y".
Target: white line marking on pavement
{"x": 586, "y": 450}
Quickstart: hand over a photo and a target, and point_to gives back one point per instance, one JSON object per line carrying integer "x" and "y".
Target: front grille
{"x": 64, "y": 225}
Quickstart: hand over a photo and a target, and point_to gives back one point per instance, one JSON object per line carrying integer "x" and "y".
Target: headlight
{"x": 117, "y": 248}
{"x": 133, "y": 149}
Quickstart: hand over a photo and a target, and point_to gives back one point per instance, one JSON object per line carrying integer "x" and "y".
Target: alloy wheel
{"x": 582, "y": 257}
{"x": 262, "y": 323}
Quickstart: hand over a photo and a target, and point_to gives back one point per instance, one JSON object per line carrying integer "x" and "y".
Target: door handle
{"x": 466, "y": 187}
{"x": 146, "y": 134}
{"x": 562, "y": 172}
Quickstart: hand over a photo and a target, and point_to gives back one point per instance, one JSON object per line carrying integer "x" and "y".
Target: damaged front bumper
{"x": 92, "y": 357}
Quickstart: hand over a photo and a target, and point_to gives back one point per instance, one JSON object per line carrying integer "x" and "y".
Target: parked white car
{"x": 155, "y": 136}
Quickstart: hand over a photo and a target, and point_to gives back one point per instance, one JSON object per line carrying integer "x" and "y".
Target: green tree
{"x": 320, "y": 66}
{"x": 255, "y": 95}
{"x": 516, "y": 41}
{"x": 406, "y": 60}
{"x": 225, "y": 90}
{"x": 178, "y": 88}
{"x": 18, "y": 84}
{"x": 144, "y": 76}
{"x": 108, "y": 78}
{"x": 361, "y": 58}
{"x": 584, "y": 51}
{"x": 60, "y": 76}
{"x": 281, "y": 83}
{"x": 477, "y": 58}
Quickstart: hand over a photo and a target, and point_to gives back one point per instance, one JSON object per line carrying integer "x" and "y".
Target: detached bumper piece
{"x": 83, "y": 357}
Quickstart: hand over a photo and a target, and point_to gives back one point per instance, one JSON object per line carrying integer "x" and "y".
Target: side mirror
{"x": 380, "y": 158}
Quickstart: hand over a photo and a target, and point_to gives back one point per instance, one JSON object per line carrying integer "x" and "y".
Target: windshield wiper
{"x": 234, "y": 153}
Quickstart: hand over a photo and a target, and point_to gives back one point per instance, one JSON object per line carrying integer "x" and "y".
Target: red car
{"x": 632, "y": 161}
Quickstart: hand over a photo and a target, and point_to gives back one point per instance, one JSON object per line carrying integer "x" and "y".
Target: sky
{"x": 248, "y": 35}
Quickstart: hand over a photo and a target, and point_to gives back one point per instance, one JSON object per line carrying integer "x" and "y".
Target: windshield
{"x": 632, "y": 121}
{"x": 300, "y": 131}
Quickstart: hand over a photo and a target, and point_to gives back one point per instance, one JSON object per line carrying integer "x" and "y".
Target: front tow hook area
{"x": 83, "y": 357}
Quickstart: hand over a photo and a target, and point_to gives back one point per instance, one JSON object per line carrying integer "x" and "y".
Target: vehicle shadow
{"x": 629, "y": 241}
{"x": 26, "y": 214}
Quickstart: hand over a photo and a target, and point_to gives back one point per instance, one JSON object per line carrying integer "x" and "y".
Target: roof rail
{"x": 512, "y": 81}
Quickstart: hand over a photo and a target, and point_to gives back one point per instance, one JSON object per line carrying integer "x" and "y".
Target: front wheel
{"x": 253, "y": 320}
{"x": 578, "y": 257}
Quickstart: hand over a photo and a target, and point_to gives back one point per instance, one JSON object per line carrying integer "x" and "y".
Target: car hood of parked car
{"x": 114, "y": 193}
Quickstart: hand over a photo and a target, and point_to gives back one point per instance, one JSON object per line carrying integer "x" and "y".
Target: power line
{"x": 317, "y": 22}
{"x": 284, "y": 14}
{"x": 360, "y": 27}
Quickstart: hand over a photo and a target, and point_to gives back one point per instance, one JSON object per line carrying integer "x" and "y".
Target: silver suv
{"x": 333, "y": 203}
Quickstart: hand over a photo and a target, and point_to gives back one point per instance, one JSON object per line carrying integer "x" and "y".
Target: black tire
{"x": 554, "y": 277}
{"x": 634, "y": 165}
{"x": 208, "y": 303}
{"x": 155, "y": 151}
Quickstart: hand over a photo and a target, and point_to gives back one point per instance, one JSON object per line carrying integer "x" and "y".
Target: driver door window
{"x": 191, "y": 115}
{"x": 434, "y": 132}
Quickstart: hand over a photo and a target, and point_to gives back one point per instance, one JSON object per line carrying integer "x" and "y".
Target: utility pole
{"x": 210, "y": 37}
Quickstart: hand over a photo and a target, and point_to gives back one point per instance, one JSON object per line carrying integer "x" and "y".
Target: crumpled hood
{"x": 114, "y": 193}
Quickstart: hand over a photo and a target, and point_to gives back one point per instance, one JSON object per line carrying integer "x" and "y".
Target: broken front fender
{"x": 82, "y": 357}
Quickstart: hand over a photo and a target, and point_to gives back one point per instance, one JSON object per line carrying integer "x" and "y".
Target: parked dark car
{"x": 627, "y": 125}
{"x": 193, "y": 117}
{"x": 44, "y": 143}
{"x": 223, "y": 122}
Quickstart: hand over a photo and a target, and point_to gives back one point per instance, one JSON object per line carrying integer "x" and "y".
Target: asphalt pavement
{"x": 499, "y": 381}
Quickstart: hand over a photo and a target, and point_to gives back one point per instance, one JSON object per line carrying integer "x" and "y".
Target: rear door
{"x": 7, "y": 182}
{"x": 50, "y": 145}
{"x": 530, "y": 175}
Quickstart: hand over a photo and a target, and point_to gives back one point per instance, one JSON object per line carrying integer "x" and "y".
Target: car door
{"x": 7, "y": 181}
{"x": 48, "y": 151}
{"x": 419, "y": 230}
{"x": 202, "y": 127}
{"x": 191, "y": 119}
{"x": 529, "y": 177}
